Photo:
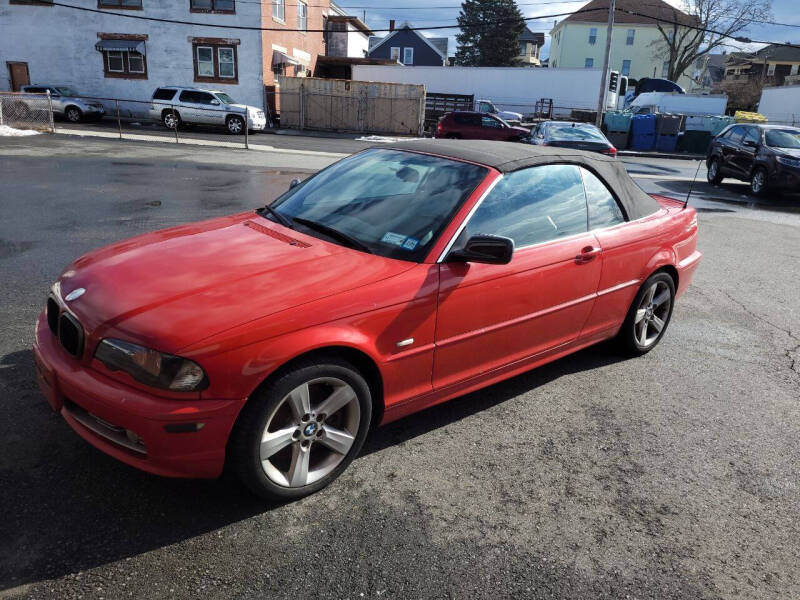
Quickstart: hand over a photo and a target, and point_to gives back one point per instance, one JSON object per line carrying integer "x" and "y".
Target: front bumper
{"x": 785, "y": 178}
{"x": 102, "y": 411}
{"x": 258, "y": 123}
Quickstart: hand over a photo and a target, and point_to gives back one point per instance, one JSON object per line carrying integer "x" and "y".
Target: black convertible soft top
{"x": 507, "y": 157}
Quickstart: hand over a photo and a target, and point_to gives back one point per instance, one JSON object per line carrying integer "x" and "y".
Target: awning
{"x": 120, "y": 46}
{"x": 279, "y": 58}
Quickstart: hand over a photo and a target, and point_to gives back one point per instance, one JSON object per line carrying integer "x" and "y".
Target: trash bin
{"x": 643, "y": 132}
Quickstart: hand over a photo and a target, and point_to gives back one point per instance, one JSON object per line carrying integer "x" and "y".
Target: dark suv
{"x": 768, "y": 156}
{"x": 469, "y": 125}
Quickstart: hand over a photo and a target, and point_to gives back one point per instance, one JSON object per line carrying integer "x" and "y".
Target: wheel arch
{"x": 663, "y": 261}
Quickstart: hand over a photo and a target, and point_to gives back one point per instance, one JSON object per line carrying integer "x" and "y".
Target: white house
{"x": 107, "y": 55}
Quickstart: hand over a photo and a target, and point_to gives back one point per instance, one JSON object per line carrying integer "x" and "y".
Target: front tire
{"x": 73, "y": 114}
{"x": 758, "y": 182}
{"x": 171, "y": 119}
{"x": 648, "y": 316}
{"x": 714, "y": 176}
{"x": 235, "y": 125}
{"x": 301, "y": 430}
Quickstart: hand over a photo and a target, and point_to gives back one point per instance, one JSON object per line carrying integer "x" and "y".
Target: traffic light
{"x": 613, "y": 81}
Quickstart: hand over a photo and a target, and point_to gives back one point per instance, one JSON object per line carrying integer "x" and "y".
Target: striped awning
{"x": 120, "y": 46}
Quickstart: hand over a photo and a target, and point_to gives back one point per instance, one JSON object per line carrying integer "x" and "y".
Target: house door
{"x": 18, "y": 74}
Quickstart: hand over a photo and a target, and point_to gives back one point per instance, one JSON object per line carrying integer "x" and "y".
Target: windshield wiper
{"x": 278, "y": 216}
{"x": 334, "y": 233}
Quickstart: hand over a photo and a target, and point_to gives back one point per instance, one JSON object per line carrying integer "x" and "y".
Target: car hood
{"x": 508, "y": 115}
{"x": 523, "y": 130}
{"x": 793, "y": 152}
{"x": 171, "y": 288}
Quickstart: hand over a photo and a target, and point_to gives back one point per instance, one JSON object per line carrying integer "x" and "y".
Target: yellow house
{"x": 638, "y": 48}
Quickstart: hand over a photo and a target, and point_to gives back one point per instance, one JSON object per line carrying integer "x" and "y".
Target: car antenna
{"x": 691, "y": 185}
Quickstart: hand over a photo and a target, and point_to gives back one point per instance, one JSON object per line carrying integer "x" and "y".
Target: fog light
{"x": 183, "y": 427}
{"x": 133, "y": 438}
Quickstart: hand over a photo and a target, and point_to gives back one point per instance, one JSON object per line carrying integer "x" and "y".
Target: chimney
{"x": 391, "y": 24}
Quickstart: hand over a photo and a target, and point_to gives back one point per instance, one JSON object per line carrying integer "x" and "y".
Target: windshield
{"x": 223, "y": 97}
{"x": 783, "y": 138}
{"x": 581, "y": 133}
{"x": 391, "y": 203}
{"x": 65, "y": 90}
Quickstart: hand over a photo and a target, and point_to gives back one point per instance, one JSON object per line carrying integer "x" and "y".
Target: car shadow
{"x": 67, "y": 507}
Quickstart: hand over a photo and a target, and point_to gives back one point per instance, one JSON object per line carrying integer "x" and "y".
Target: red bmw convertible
{"x": 397, "y": 278}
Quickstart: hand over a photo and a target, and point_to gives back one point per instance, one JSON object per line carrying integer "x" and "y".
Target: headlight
{"x": 789, "y": 162}
{"x": 156, "y": 369}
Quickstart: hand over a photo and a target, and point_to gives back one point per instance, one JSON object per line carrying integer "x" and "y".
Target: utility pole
{"x": 601, "y": 102}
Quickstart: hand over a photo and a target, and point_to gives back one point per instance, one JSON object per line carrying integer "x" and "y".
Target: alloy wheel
{"x": 712, "y": 170}
{"x": 652, "y": 314}
{"x": 74, "y": 115}
{"x": 235, "y": 125}
{"x": 759, "y": 180}
{"x": 170, "y": 121}
{"x": 310, "y": 432}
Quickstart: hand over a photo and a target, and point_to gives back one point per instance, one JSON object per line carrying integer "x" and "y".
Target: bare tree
{"x": 703, "y": 26}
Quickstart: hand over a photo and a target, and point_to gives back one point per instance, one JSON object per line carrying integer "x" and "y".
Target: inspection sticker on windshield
{"x": 410, "y": 243}
{"x": 395, "y": 239}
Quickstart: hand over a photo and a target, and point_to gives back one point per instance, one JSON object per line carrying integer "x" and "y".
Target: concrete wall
{"x": 570, "y": 48}
{"x": 58, "y": 45}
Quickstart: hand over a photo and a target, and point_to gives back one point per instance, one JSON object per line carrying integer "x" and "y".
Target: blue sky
{"x": 431, "y": 13}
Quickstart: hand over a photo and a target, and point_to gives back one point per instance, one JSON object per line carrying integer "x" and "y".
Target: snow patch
{"x": 6, "y": 131}
{"x": 384, "y": 139}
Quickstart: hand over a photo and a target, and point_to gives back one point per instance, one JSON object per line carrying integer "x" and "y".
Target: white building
{"x": 111, "y": 56}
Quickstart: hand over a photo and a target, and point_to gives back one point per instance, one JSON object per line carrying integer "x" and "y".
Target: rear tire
{"x": 301, "y": 430}
{"x": 648, "y": 316}
{"x": 171, "y": 119}
{"x": 714, "y": 177}
{"x": 758, "y": 182}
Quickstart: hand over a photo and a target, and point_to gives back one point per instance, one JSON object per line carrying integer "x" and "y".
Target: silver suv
{"x": 175, "y": 105}
{"x": 67, "y": 102}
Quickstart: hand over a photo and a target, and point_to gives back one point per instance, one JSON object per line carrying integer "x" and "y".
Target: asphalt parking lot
{"x": 674, "y": 475}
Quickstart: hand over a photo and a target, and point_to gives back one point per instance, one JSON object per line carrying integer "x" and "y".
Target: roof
{"x": 438, "y": 44}
{"x": 530, "y": 36}
{"x": 507, "y": 157}
{"x": 354, "y": 21}
{"x": 775, "y": 53}
{"x": 652, "y": 8}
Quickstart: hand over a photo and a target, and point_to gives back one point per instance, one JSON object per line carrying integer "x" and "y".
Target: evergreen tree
{"x": 490, "y": 31}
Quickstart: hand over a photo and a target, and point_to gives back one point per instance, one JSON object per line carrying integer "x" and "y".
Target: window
{"x": 771, "y": 70}
{"x": 626, "y": 68}
{"x": 592, "y": 36}
{"x": 751, "y": 134}
{"x": 119, "y": 3}
{"x": 671, "y": 35}
{"x": 491, "y": 122}
{"x": 533, "y": 205}
{"x": 588, "y": 63}
{"x": 408, "y": 56}
{"x": 217, "y": 6}
{"x": 794, "y": 70}
{"x": 467, "y": 119}
{"x": 125, "y": 64}
{"x": 193, "y": 97}
{"x": 523, "y": 48}
{"x": 302, "y": 16}
{"x": 215, "y": 62}
{"x": 603, "y": 208}
{"x": 163, "y": 94}
{"x": 394, "y": 53}
{"x": 279, "y": 10}
{"x": 629, "y": 39}
{"x": 735, "y": 134}
{"x": 665, "y": 69}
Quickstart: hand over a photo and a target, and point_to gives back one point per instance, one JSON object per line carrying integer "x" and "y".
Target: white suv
{"x": 175, "y": 105}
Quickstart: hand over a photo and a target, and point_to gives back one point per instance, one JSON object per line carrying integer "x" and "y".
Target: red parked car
{"x": 468, "y": 125}
{"x": 393, "y": 280}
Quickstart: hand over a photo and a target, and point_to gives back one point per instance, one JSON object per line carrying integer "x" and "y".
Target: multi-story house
{"x": 103, "y": 53}
{"x": 409, "y": 47}
{"x": 638, "y": 48}
{"x": 771, "y": 65}
{"x": 530, "y": 45}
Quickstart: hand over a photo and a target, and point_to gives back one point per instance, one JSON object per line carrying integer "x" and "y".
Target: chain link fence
{"x": 26, "y": 111}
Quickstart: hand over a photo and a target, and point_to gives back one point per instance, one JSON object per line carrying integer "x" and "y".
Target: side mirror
{"x": 487, "y": 249}
{"x": 294, "y": 183}
{"x": 750, "y": 144}
{"x": 215, "y": 102}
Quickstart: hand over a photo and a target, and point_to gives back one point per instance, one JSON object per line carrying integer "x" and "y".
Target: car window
{"x": 485, "y": 107}
{"x": 395, "y": 203}
{"x": 751, "y": 134}
{"x": 35, "y": 90}
{"x": 467, "y": 119}
{"x": 163, "y": 94}
{"x": 196, "y": 97}
{"x": 491, "y": 122}
{"x": 783, "y": 138}
{"x": 533, "y": 205}
{"x": 587, "y": 133}
{"x": 225, "y": 98}
{"x": 604, "y": 211}
{"x": 735, "y": 134}
{"x": 65, "y": 90}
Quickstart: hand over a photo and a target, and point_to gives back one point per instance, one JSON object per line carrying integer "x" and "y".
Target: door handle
{"x": 587, "y": 254}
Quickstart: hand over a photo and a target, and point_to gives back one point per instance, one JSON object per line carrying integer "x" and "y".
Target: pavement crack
{"x": 789, "y": 352}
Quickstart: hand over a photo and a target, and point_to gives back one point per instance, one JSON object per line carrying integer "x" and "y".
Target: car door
{"x": 729, "y": 147}
{"x": 493, "y": 315}
{"x": 493, "y": 128}
{"x": 209, "y": 109}
{"x": 745, "y": 155}
{"x": 189, "y": 106}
